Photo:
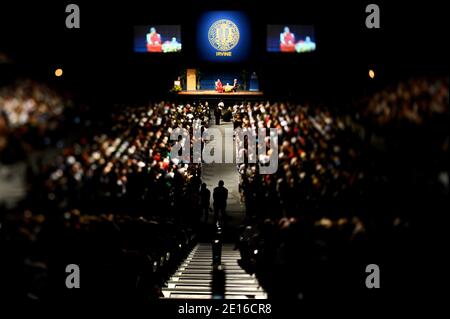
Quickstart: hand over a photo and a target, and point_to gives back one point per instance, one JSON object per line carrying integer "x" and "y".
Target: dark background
{"x": 101, "y": 69}
{"x": 100, "y": 66}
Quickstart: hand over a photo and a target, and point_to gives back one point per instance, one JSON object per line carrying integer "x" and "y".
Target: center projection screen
{"x": 223, "y": 36}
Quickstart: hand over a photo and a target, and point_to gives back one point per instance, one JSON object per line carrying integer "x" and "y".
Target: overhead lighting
{"x": 58, "y": 72}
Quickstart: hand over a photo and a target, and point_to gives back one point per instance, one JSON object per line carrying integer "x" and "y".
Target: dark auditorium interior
{"x": 96, "y": 206}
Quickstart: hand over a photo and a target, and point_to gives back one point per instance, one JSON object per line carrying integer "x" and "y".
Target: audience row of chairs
{"x": 119, "y": 257}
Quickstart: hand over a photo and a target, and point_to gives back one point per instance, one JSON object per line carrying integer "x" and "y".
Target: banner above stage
{"x": 223, "y": 36}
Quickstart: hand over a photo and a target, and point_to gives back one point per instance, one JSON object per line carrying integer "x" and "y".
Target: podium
{"x": 191, "y": 79}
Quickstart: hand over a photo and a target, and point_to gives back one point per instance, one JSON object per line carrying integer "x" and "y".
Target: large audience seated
{"x": 120, "y": 257}
{"x": 350, "y": 190}
{"x": 111, "y": 202}
{"x": 416, "y": 101}
{"x": 31, "y": 114}
{"x": 128, "y": 165}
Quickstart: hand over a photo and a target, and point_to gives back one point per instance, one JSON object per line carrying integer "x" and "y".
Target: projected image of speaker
{"x": 157, "y": 39}
{"x": 291, "y": 38}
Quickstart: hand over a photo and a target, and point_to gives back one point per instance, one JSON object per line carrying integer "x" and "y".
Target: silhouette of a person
{"x": 218, "y": 112}
{"x": 220, "y": 196}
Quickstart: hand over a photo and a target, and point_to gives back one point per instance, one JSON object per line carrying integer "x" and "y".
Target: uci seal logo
{"x": 223, "y": 35}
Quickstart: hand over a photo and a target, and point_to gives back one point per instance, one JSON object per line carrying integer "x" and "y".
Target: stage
{"x": 217, "y": 94}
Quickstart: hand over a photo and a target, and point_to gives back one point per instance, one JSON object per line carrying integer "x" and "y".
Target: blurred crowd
{"x": 128, "y": 165}
{"x": 319, "y": 160}
{"x": 112, "y": 202}
{"x": 416, "y": 101}
{"x": 121, "y": 258}
{"x": 351, "y": 188}
{"x": 31, "y": 114}
{"x": 366, "y": 186}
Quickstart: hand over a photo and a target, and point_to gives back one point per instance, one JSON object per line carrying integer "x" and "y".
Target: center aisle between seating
{"x": 193, "y": 279}
{"x": 212, "y": 173}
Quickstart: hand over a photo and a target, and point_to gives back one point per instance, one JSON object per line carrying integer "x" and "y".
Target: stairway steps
{"x": 229, "y": 267}
{"x": 209, "y": 269}
{"x": 209, "y": 275}
{"x": 206, "y": 291}
{"x": 208, "y": 288}
{"x": 209, "y": 296}
{"x": 210, "y": 258}
{"x": 207, "y": 272}
{"x": 209, "y": 278}
{"x": 193, "y": 278}
{"x": 208, "y": 281}
{"x": 209, "y": 263}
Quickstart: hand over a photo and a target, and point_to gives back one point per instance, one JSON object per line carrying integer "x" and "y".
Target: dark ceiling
{"x": 98, "y": 58}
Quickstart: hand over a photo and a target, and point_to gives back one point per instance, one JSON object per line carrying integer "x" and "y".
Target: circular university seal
{"x": 223, "y": 35}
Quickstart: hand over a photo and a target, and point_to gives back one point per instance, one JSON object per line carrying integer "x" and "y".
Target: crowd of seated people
{"x": 31, "y": 114}
{"x": 120, "y": 257}
{"x": 317, "y": 158}
{"x": 343, "y": 197}
{"x": 112, "y": 202}
{"x": 128, "y": 165}
{"x": 416, "y": 101}
{"x": 349, "y": 191}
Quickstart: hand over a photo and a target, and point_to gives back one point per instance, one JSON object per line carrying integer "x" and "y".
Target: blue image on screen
{"x": 223, "y": 36}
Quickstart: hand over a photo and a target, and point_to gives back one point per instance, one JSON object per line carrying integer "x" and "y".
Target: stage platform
{"x": 204, "y": 93}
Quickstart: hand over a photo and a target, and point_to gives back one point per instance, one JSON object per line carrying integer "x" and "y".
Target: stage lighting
{"x": 371, "y": 74}
{"x": 58, "y": 72}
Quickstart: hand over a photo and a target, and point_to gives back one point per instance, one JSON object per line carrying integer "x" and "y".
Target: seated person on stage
{"x": 235, "y": 85}
{"x": 154, "y": 41}
{"x": 305, "y": 46}
{"x": 219, "y": 87}
{"x": 171, "y": 46}
{"x": 287, "y": 41}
